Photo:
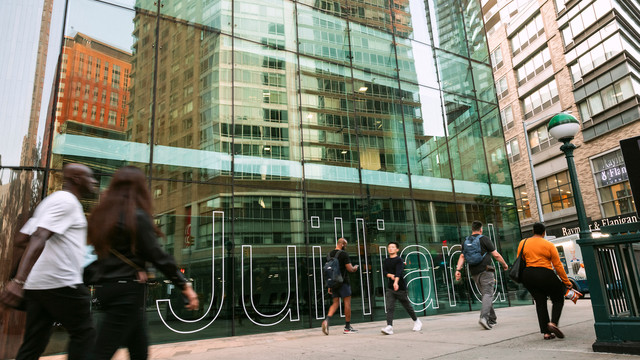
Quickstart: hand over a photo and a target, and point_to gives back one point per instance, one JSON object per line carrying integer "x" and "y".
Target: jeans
{"x": 485, "y": 281}
{"x": 543, "y": 283}
{"x": 68, "y": 306}
{"x": 123, "y": 322}
{"x": 390, "y": 297}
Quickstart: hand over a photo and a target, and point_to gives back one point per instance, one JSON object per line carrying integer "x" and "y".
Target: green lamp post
{"x": 564, "y": 127}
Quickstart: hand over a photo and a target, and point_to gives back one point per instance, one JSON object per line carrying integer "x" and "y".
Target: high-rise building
{"x": 93, "y": 87}
{"x": 567, "y": 56}
{"x": 270, "y": 128}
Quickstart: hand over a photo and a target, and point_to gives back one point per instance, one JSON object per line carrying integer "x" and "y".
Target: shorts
{"x": 343, "y": 292}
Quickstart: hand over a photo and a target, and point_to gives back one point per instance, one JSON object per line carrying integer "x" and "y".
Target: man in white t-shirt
{"x": 51, "y": 249}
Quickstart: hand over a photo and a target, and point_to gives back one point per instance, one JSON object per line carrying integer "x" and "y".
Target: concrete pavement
{"x": 451, "y": 336}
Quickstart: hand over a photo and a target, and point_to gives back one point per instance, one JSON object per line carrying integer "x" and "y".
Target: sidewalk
{"x": 452, "y": 336}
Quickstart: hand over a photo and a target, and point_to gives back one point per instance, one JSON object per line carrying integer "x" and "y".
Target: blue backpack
{"x": 331, "y": 270}
{"x": 472, "y": 250}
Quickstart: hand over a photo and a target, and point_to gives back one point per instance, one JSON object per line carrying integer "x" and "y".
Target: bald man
{"x": 51, "y": 248}
{"x": 344, "y": 292}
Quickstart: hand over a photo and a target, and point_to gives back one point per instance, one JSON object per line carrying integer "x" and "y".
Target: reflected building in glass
{"x": 270, "y": 128}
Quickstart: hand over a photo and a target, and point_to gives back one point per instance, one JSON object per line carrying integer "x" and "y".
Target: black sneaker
{"x": 349, "y": 330}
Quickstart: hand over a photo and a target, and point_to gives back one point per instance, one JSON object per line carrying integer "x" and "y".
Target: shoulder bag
{"x": 518, "y": 266}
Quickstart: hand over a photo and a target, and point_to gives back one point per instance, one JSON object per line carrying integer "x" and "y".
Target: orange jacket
{"x": 539, "y": 252}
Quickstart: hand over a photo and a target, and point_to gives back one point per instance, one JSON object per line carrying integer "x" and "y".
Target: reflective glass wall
{"x": 270, "y": 128}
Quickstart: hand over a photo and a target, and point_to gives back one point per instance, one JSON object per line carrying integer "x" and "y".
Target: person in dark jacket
{"x": 392, "y": 268}
{"x": 125, "y": 238}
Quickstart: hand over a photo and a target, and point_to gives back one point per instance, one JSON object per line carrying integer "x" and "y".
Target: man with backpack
{"x": 339, "y": 288}
{"x": 475, "y": 249}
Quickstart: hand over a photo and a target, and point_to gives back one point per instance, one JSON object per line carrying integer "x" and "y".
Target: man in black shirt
{"x": 483, "y": 274}
{"x": 393, "y": 267}
{"x": 345, "y": 290}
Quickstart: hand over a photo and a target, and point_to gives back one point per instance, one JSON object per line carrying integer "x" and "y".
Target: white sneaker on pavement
{"x": 417, "y": 325}
{"x": 484, "y": 323}
{"x": 388, "y": 330}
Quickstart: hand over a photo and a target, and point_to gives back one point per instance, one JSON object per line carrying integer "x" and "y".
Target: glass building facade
{"x": 269, "y": 129}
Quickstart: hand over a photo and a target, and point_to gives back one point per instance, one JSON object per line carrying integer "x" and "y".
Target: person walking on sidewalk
{"x": 475, "y": 249}
{"x": 122, "y": 231}
{"x": 344, "y": 292}
{"x": 541, "y": 257}
{"x": 393, "y": 267}
{"x": 49, "y": 256}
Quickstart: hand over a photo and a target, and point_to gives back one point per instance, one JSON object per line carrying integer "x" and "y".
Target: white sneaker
{"x": 387, "y": 330}
{"x": 417, "y": 325}
{"x": 484, "y": 323}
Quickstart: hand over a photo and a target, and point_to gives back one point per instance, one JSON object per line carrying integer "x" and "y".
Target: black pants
{"x": 400, "y": 295}
{"x": 68, "y": 306}
{"x": 543, "y": 283}
{"x": 123, "y": 322}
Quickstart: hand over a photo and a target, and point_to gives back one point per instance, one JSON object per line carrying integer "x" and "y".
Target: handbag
{"x": 518, "y": 266}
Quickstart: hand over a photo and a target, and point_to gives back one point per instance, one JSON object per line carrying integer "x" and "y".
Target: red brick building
{"x": 94, "y": 84}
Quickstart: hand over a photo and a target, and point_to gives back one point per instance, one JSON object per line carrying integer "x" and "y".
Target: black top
{"x": 344, "y": 259}
{"x": 486, "y": 246}
{"x": 394, "y": 266}
{"x": 147, "y": 249}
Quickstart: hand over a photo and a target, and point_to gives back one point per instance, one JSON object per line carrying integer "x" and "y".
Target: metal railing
{"x": 611, "y": 263}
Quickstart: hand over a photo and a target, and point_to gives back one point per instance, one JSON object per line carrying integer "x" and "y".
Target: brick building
{"x": 567, "y": 56}
{"x": 94, "y": 84}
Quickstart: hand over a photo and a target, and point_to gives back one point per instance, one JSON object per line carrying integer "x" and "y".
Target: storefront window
{"x": 612, "y": 182}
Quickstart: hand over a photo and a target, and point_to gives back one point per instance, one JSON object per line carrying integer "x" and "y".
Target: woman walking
{"x": 124, "y": 236}
{"x": 540, "y": 279}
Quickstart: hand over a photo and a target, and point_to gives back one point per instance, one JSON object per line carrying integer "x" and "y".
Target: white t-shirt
{"x": 60, "y": 263}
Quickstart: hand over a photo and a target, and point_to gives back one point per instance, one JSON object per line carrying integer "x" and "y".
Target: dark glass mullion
{"x": 154, "y": 92}
{"x": 414, "y": 214}
{"x": 305, "y": 199}
{"x": 56, "y": 90}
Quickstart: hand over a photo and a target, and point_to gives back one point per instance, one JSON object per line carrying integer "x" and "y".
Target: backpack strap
{"x": 329, "y": 257}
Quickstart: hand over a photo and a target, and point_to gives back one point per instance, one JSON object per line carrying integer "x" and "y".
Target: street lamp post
{"x": 564, "y": 127}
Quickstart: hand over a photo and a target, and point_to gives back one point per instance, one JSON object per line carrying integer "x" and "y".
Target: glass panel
{"x": 383, "y": 156}
{"x": 266, "y": 133}
{"x": 447, "y": 24}
{"x": 494, "y": 145}
{"x": 624, "y": 89}
{"x": 483, "y": 80}
{"x": 268, "y": 22}
{"x": 416, "y": 63}
{"x": 269, "y": 238}
{"x": 455, "y": 73}
{"x": 194, "y": 127}
{"x": 595, "y": 103}
{"x": 104, "y": 47}
{"x": 460, "y": 112}
{"x": 417, "y": 26}
{"x": 376, "y": 14}
{"x": 467, "y": 156}
{"x": 477, "y": 41}
{"x": 437, "y": 226}
{"x": 196, "y": 221}
{"x": 373, "y": 51}
{"x": 331, "y": 151}
{"x": 608, "y": 97}
{"x": 315, "y": 28}
{"x": 215, "y": 16}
